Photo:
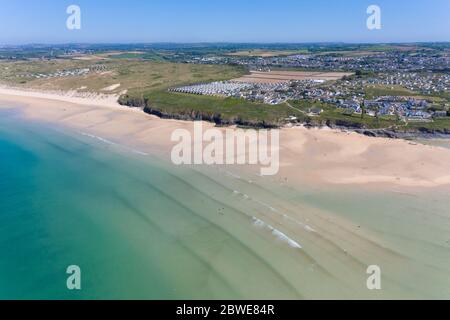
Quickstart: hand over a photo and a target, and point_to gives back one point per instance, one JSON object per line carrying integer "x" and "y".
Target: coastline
{"x": 308, "y": 155}
{"x": 394, "y": 132}
{"x": 310, "y": 232}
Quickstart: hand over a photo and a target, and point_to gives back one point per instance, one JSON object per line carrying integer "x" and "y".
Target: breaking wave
{"x": 113, "y": 143}
{"x": 277, "y": 233}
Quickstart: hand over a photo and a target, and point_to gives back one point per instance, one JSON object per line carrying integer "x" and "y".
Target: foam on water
{"x": 277, "y": 233}
{"x": 113, "y": 143}
{"x": 274, "y": 210}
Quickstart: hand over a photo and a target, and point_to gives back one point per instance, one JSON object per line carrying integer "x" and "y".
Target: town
{"x": 330, "y": 83}
{"x": 345, "y": 94}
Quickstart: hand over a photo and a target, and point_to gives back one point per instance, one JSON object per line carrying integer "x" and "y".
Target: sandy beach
{"x": 340, "y": 202}
{"x": 313, "y": 156}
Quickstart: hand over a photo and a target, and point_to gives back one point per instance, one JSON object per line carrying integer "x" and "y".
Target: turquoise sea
{"x": 137, "y": 229}
{"x": 140, "y": 228}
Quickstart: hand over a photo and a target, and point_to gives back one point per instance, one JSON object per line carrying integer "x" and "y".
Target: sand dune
{"x": 112, "y": 87}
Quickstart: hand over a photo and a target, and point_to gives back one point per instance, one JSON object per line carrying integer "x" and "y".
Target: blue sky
{"x": 44, "y": 21}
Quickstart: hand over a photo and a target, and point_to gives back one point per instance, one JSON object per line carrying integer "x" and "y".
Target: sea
{"x": 137, "y": 227}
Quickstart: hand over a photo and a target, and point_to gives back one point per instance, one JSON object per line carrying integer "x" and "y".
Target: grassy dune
{"x": 134, "y": 76}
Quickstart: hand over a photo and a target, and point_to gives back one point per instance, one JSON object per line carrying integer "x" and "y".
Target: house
{"x": 350, "y": 104}
{"x": 348, "y": 112}
{"x": 371, "y": 113}
{"x": 440, "y": 114}
{"x": 418, "y": 115}
{"x": 372, "y": 104}
{"x": 315, "y": 111}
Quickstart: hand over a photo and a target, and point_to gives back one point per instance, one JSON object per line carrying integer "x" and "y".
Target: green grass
{"x": 136, "y": 76}
{"x": 338, "y": 117}
{"x": 438, "y": 125}
{"x": 305, "y": 105}
{"x": 376, "y": 91}
{"x": 227, "y": 110}
{"x": 333, "y": 116}
{"x": 147, "y": 84}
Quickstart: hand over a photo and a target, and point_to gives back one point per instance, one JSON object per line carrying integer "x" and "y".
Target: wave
{"x": 98, "y": 138}
{"x": 113, "y": 143}
{"x": 277, "y": 233}
{"x": 285, "y": 216}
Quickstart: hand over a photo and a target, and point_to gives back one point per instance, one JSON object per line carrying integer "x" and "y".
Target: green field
{"x": 145, "y": 84}
{"x": 376, "y": 91}
{"x": 441, "y": 125}
{"x": 334, "y": 116}
{"x": 219, "y": 110}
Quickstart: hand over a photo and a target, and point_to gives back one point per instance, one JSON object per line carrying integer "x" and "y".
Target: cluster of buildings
{"x": 425, "y": 83}
{"x": 65, "y": 73}
{"x": 372, "y": 62}
{"x": 355, "y": 88}
{"x": 221, "y": 88}
{"x": 270, "y": 93}
{"x": 423, "y": 71}
{"x": 406, "y": 108}
{"x": 387, "y": 61}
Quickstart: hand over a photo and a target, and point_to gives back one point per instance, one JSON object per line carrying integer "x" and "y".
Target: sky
{"x": 294, "y": 21}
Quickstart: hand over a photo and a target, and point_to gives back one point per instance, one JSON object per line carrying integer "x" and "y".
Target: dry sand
{"x": 313, "y": 156}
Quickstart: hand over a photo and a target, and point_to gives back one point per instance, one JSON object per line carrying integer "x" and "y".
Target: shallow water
{"x": 136, "y": 228}
{"x": 443, "y": 143}
{"x": 140, "y": 228}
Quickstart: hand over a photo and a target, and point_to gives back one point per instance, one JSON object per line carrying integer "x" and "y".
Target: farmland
{"x": 266, "y": 53}
{"x": 286, "y": 76}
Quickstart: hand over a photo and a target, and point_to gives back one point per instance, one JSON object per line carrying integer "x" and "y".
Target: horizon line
{"x": 224, "y": 43}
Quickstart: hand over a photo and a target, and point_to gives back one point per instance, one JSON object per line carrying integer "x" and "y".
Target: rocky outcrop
{"x": 411, "y": 134}
{"x": 195, "y": 115}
